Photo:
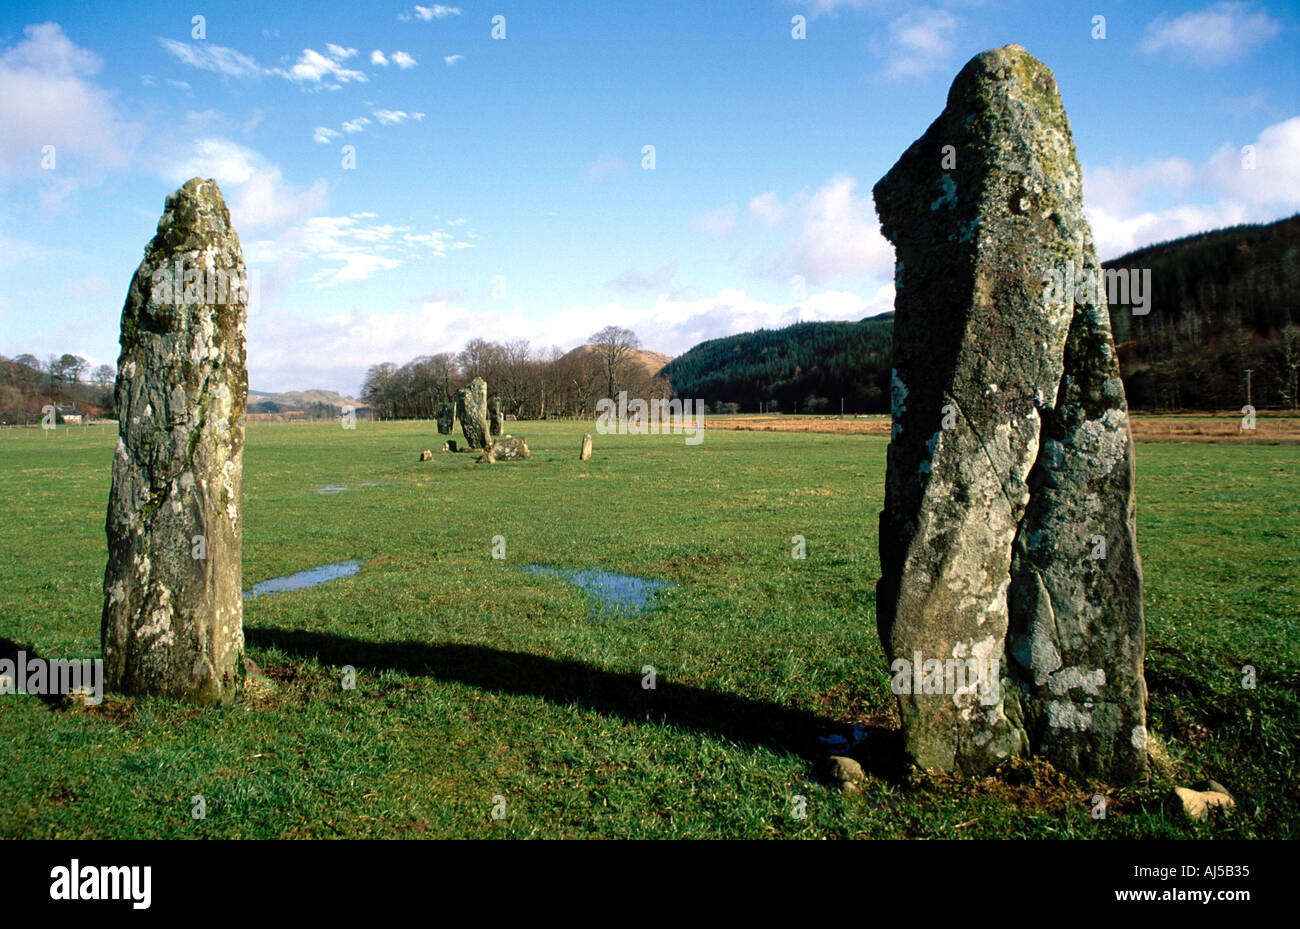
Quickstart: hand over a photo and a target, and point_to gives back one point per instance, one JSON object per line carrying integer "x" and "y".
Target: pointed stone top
{"x": 1009, "y": 72}
{"x": 194, "y": 216}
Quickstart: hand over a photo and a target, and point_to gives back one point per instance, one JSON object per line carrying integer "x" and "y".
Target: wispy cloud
{"x": 1220, "y": 33}
{"x": 719, "y": 222}
{"x": 394, "y": 117}
{"x": 356, "y": 125}
{"x": 451, "y": 60}
{"x": 403, "y": 60}
{"x": 919, "y": 42}
{"x": 323, "y": 135}
{"x": 437, "y": 11}
{"x": 210, "y": 57}
{"x": 767, "y": 208}
{"x": 605, "y": 166}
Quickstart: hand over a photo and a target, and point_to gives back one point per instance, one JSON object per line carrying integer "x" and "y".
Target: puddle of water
{"x": 844, "y": 741}
{"x": 343, "y": 488}
{"x": 303, "y": 579}
{"x": 617, "y": 593}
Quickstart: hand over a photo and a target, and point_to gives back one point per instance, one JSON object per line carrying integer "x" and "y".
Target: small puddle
{"x": 617, "y": 593}
{"x": 304, "y": 579}
{"x": 344, "y": 488}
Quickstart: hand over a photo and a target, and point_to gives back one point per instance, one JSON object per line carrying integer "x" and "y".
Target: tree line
{"x": 530, "y": 383}
{"x": 28, "y": 384}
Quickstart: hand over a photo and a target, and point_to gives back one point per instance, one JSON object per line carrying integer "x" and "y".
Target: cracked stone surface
{"x": 173, "y": 605}
{"x": 979, "y": 208}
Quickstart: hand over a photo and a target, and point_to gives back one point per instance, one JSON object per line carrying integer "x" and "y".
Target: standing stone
{"x": 173, "y": 607}
{"x": 1077, "y": 638}
{"x": 472, "y": 411}
{"x": 981, "y": 210}
{"x": 498, "y": 421}
{"x": 446, "y": 418}
{"x": 585, "y": 453}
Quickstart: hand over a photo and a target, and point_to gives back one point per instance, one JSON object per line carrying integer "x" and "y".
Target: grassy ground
{"x": 476, "y": 680}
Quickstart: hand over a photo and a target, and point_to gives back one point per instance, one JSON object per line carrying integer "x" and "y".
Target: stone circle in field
{"x": 1011, "y": 593}
{"x": 173, "y": 606}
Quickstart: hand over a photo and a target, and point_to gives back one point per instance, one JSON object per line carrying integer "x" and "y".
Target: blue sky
{"x": 499, "y": 187}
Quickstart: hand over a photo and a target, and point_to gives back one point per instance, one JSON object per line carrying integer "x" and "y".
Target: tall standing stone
{"x": 498, "y": 420}
{"x": 584, "y": 452}
{"x": 472, "y": 410}
{"x": 173, "y": 607}
{"x": 446, "y": 418}
{"x": 981, "y": 210}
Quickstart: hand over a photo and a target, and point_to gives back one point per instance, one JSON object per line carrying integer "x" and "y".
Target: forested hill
{"x": 1221, "y": 302}
{"x": 806, "y": 367}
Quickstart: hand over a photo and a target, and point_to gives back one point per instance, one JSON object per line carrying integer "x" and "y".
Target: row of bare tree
{"x": 531, "y": 383}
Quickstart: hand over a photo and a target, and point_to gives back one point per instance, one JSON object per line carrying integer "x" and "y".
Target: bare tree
{"x": 615, "y": 345}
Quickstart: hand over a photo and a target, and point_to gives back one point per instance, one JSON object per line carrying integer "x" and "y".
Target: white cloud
{"x": 209, "y": 57}
{"x": 819, "y": 7}
{"x": 719, "y": 222}
{"x": 288, "y": 351}
{"x": 403, "y": 60}
{"x": 453, "y": 60}
{"x": 1217, "y": 34}
{"x": 394, "y": 117}
{"x": 356, "y": 125}
{"x": 919, "y": 42}
{"x": 377, "y": 58}
{"x": 323, "y": 135}
{"x": 437, "y": 11}
{"x": 47, "y": 97}
{"x": 768, "y": 208}
{"x": 312, "y": 68}
{"x": 1122, "y": 202}
{"x": 840, "y": 237}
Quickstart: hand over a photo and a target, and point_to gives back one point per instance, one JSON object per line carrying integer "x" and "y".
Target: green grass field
{"x": 476, "y": 680}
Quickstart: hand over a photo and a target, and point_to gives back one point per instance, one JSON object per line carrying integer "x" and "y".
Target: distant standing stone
{"x": 426, "y": 455}
{"x": 585, "y": 453}
{"x": 173, "y": 605}
{"x": 471, "y": 409}
{"x": 446, "y": 418}
{"x": 498, "y": 421}
{"x": 449, "y": 445}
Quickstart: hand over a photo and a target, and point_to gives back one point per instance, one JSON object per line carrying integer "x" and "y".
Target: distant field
{"x": 476, "y": 680}
{"x": 1151, "y": 427}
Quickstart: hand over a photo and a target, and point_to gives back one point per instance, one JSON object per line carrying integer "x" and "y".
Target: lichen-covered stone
{"x": 1077, "y": 636}
{"x": 173, "y": 608}
{"x": 446, "y": 418}
{"x": 584, "y": 453}
{"x": 506, "y": 448}
{"x": 472, "y": 411}
{"x": 980, "y": 209}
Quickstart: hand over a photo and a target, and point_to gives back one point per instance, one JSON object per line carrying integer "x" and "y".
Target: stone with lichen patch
{"x": 472, "y": 411}
{"x": 173, "y": 606}
{"x": 998, "y": 382}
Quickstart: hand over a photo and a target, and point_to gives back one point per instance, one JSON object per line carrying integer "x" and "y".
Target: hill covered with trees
{"x": 1221, "y": 303}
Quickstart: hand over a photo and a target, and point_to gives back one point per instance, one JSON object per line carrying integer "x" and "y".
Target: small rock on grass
{"x": 1200, "y": 804}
